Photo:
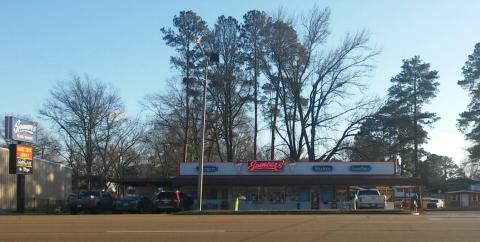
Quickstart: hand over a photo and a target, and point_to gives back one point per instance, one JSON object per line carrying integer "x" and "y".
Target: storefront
{"x": 280, "y": 185}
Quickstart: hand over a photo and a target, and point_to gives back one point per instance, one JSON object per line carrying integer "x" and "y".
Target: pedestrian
{"x": 414, "y": 203}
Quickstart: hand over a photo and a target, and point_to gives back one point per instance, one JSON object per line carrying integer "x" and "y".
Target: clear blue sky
{"x": 119, "y": 42}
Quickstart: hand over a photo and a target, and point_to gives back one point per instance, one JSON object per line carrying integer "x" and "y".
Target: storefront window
{"x": 216, "y": 194}
{"x": 263, "y": 194}
{"x": 327, "y": 196}
{"x": 304, "y": 194}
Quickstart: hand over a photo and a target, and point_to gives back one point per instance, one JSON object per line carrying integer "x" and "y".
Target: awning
{"x": 279, "y": 180}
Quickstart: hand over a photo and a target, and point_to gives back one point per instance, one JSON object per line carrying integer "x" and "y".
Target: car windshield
{"x": 166, "y": 195}
{"x": 368, "y": 192}
{"x": 89, "y": 193}
{"x": 434, "y": 201}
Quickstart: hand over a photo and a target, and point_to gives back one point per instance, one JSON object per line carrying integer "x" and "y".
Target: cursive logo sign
{"x": 265, "y": 165}
{"x": 20, "y": 129}
{"x": 24, "y": 128}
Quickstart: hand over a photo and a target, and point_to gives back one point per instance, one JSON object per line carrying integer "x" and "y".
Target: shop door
{"x": 315, "y": 200}
{"x": 464, "y": 200}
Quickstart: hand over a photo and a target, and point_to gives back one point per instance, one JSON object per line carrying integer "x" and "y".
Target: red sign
{"x": 265, "y": 165}
{"x": 24, "y": 152}
{"x": 21, "y": 159}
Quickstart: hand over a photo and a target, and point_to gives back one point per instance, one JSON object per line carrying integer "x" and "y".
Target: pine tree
{"x": 392, "y": 129}
{"x": 469, "y": 121}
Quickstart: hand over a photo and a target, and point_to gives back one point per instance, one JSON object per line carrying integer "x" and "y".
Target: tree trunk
{"x": 274, "y": 126}
{"x": 255, "y": 131}
{"x": 187, "y": 117}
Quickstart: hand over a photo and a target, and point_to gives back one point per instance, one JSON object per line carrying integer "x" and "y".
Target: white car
{"x": 370, "y": 198}
{"x": 436, "y": 203}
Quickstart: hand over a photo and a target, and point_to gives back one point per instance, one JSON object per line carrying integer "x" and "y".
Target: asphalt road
{"x": 435, "y": 227}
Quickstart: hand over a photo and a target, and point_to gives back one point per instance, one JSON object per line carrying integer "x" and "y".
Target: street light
{"x": 214, "y": 58}
{"x": 200, "y": 165}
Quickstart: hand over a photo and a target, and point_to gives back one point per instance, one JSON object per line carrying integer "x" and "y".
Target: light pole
{"x": 200, "y": 165}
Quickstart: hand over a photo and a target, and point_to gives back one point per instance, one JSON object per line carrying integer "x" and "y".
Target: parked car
{"x": 169, "y": 201}
{"x": 94, "y": 201}
{"x": 435, "y": 203}
{"x": 370, "y": 198}
{"x": 133, "y": 204}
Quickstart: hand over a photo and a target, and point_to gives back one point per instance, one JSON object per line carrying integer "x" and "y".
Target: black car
{"x": 133, "y": 204}
{"x": 94, "y": 201}
{"x": 169, "y": 201}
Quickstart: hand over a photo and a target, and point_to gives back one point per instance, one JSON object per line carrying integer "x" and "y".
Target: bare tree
{"x": 47, "y": 147}
{"x": 79, "y": 108}
{"x": 254, "y": 45}
{"x": 229, "y": 90}
{"x": 116, "y": 145}
{"x": 313, "y": 85}
{"x": 189, "y": 27}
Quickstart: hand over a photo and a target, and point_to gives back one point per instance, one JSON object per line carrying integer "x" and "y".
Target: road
{"x": 435, "y": 227}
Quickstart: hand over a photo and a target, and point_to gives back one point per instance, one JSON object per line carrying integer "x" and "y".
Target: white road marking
{"x": 165, "y": 231}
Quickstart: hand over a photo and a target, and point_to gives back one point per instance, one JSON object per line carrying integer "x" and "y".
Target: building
{"x": 48, "y": 186}
{"x": 280, "y": 185}
{"x": 463, "y": 193}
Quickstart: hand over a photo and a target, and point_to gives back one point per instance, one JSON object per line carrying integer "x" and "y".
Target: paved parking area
{"x": 434, "y": 226}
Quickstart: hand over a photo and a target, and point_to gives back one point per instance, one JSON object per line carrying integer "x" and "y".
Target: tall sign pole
{"x": 21, "y": 132}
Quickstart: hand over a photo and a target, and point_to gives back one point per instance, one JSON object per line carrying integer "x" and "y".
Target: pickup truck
{"x": 370, "y": 198}
{"x": 94, "y": 201}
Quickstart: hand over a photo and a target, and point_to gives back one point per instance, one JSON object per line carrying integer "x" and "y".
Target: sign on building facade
{"x": 277, "y": 167}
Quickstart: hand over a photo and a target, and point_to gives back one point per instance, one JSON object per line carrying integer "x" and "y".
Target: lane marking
{"x": 165, "y": 231}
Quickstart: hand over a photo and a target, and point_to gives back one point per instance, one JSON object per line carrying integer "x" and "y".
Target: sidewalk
{"x": 299, "y": 212}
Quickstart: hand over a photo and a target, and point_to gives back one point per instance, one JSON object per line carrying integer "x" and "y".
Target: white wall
{"x": 297, "y": 168}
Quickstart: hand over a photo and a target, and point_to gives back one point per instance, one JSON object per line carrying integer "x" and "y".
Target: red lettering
{"x": 275, "y": 166}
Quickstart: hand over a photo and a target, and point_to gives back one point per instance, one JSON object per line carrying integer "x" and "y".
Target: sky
{"x": 119, "y": 42}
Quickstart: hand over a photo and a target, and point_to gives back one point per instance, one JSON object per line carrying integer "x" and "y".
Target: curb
{"x": 294, "y": 212}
